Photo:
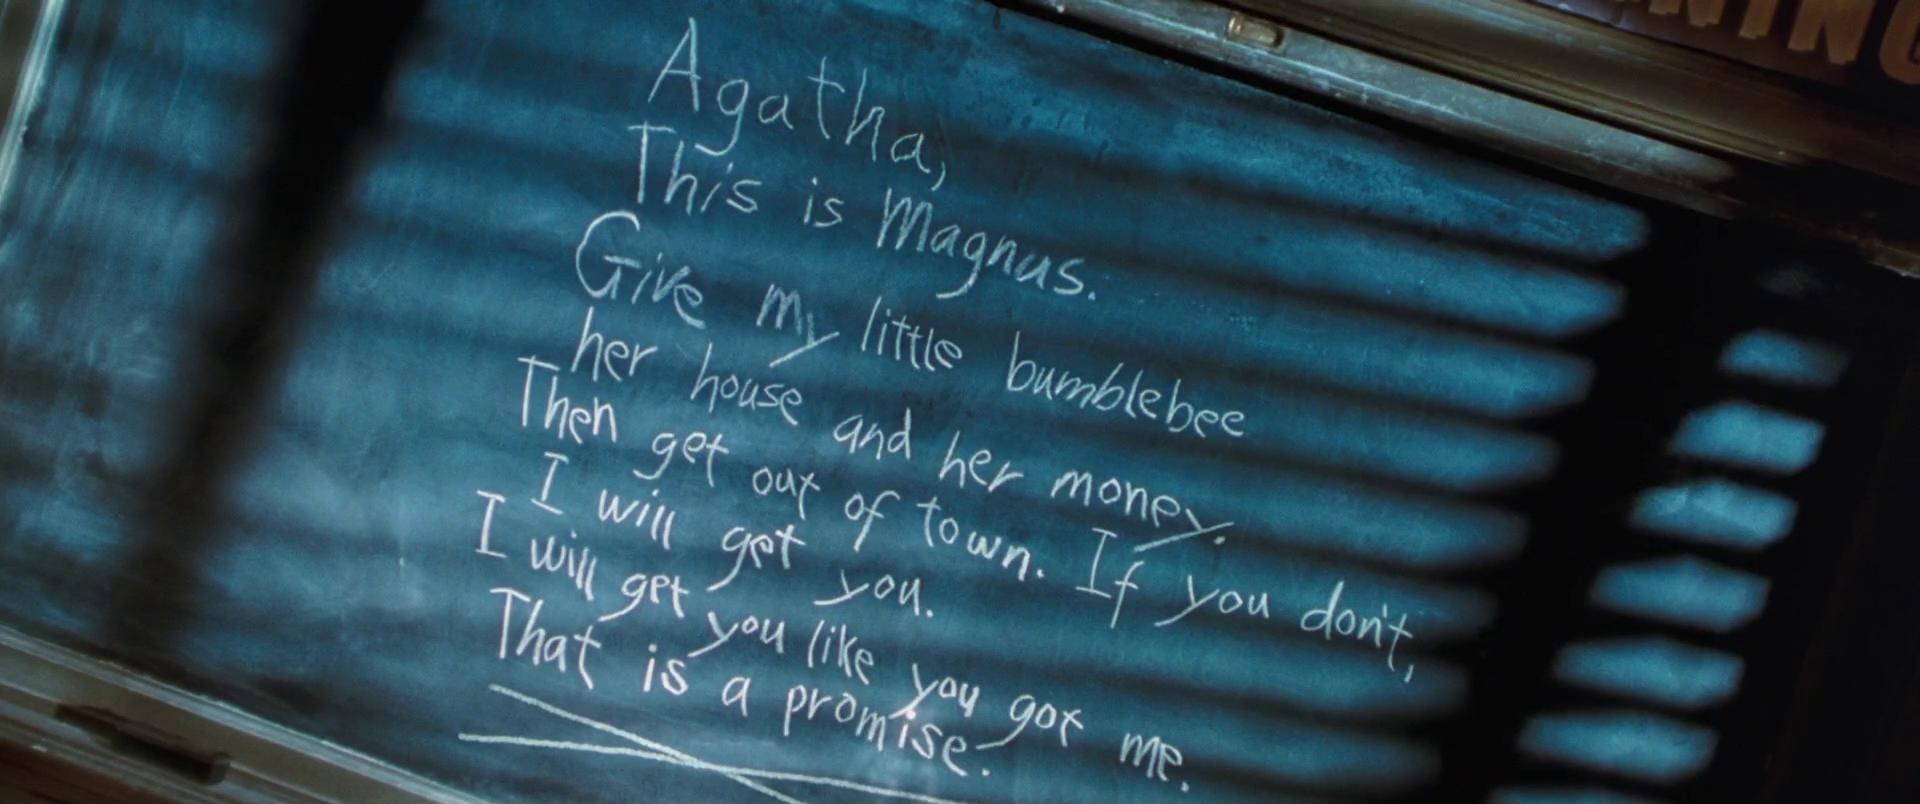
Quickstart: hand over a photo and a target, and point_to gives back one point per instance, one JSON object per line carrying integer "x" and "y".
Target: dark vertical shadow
{"x": 1843, "y": 303}
{"x": 1803, "y": 721}
{"x": 1842, "y": 728}
{"x": 332, "y": 87}
{"x": 1851, "y": 733}
{"x": 1612, "y": 446}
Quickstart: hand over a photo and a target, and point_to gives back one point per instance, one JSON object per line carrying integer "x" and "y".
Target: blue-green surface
{"x": 1382, "y": 318}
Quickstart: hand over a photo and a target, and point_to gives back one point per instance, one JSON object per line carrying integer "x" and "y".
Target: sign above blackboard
{"x": 1836, "y": 41}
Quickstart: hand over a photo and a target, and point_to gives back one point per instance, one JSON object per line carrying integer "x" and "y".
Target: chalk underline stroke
{"x": 660, "y": 752}
{"x": 802, "y": 350}
{"x": 657, "y": 750}
{"x": 1180, "y": 537}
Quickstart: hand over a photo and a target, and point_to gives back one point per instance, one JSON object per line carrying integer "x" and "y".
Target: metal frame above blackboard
{"x": 1385, "y": 58}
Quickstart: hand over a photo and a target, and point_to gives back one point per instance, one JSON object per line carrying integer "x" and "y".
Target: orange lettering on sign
{"x": 1843, "y": 21}
{"x": 1759, "y": 18}
{"x": 1700, "y": 13}
{"x": 1900, "y": 50}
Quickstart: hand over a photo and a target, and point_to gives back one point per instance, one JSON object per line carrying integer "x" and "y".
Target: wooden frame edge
{"x": 269, "y": 762}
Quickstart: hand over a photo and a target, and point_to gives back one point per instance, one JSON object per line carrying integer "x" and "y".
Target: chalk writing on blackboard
{"x": 797, "y": 618}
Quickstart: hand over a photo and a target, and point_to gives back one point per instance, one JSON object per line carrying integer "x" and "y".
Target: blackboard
{"x": 859, "y": 400}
